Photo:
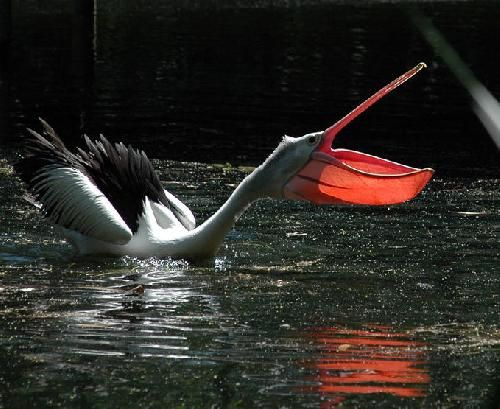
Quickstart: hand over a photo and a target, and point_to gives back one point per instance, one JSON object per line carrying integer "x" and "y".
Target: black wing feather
{"x": 123, "y": 174}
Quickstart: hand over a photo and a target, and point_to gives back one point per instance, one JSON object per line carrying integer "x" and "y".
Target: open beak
{"x": 342, "y": 176}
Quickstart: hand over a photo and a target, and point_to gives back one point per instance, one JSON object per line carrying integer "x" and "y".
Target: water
{"x": 304, "y": 306}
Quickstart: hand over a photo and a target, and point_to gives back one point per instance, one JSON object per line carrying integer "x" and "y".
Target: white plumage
{"x": 77, "y": 204}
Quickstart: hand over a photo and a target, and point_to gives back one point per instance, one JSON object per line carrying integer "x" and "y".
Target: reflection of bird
{"x": 373, "y": 359}
{"x": 108, "y": 199}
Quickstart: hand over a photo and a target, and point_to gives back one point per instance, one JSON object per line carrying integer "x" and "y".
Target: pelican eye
{"x": 312, "y": 140}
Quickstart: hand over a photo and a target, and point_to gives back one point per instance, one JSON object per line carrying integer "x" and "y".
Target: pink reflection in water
{"x": 375, "y": 359}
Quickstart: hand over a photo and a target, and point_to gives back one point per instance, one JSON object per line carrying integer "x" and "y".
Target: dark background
{"x": 222, "y": 81}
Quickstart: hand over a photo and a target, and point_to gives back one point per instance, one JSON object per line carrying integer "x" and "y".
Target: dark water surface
{"x": 304, "y": 306}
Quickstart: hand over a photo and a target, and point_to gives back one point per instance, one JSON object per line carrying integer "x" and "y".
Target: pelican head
{"x": 289, "y": 157}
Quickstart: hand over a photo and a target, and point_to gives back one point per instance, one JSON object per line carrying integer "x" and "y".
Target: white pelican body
{"x": 160, "y": 233}
{"x": 108, "y": 199}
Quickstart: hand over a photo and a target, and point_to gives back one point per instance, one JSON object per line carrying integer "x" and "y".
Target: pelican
{"x": 107, "y": 199}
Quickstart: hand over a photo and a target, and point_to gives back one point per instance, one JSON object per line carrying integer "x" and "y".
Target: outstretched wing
{"x": 70, "y": 199}
{"x": 99, "y": 192}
